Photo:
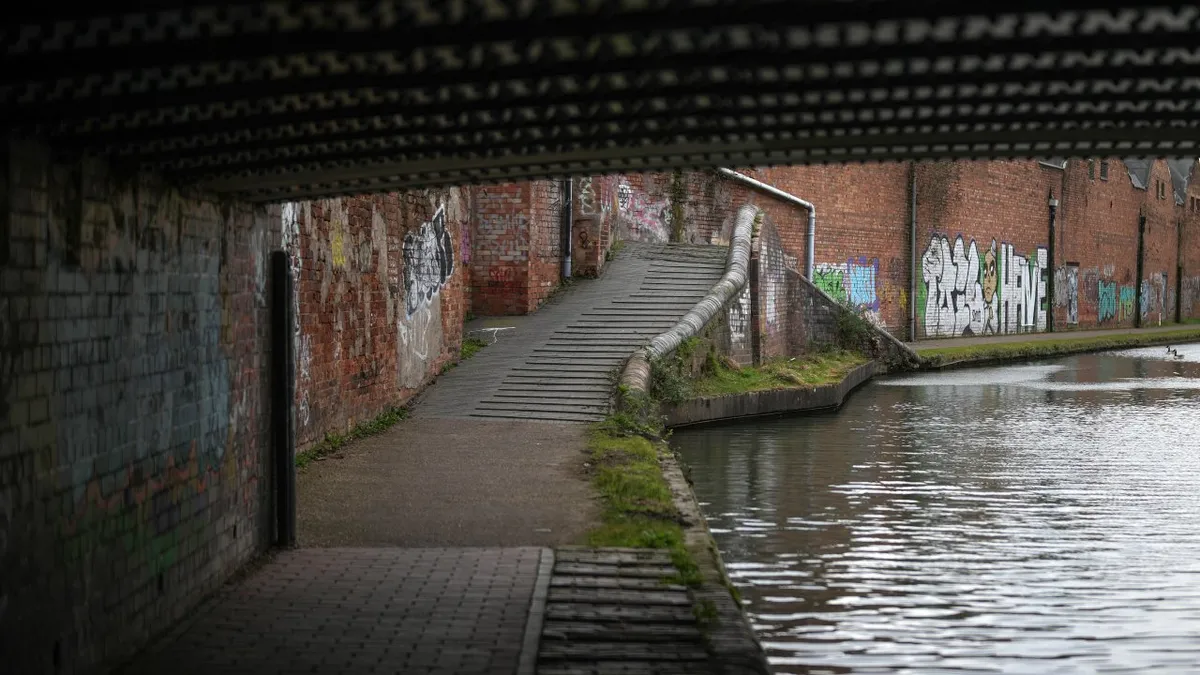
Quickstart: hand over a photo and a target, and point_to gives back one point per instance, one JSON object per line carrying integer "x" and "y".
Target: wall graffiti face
{"x": 428, "y": 261}
{"x": 1126, "y": 301}
{"x": 999, "y": 292}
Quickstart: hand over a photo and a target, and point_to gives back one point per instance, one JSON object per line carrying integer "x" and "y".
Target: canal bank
{"x": 1015, "y": 519}
{"x": 995, "y": 350}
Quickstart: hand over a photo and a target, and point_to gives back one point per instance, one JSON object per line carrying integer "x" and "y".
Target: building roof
{"x": 1139, "y": 171}
{"x": 1181, "y": 175}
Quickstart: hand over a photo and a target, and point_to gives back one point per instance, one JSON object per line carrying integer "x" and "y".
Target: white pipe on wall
{"x": 810, "y": 248}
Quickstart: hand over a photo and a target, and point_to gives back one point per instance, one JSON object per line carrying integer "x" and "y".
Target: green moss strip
{"x": 471, "y": 347}
{"x": 1046, "y": 348}
{"x": 334, "y": 442}
{"x": 638, "y": 509}
{"x": 829, "y": 367}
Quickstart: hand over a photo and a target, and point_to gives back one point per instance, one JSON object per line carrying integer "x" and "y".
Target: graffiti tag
{"x": 428, "y": 261}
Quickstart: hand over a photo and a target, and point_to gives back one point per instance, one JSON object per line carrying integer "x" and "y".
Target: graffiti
{"x": 1126, "y": 300}
{"x": 1154, "y": 296}
{"x": 739, "y": 320}
{"x": 419, "y": 344}
{"x": 647, "y": 220}
{"x": 1107, "y": 303}
{"x": 502, "y": 277}
{"x": 1066, "y": 291}
{"x": 585, "y": 239}
{"x": 861, "y": 275}
{"x": 338, "y": 223}
{"x": 428, "y": 261}
{"x": 301, "y": 344}
{"x": 624, "y": 196}
{"x": 831, "y": 280}
{"x": 587, "y": 197}
{"x": 964, "y": 294}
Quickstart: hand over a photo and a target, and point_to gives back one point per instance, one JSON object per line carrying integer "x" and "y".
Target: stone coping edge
{"x": 733, "y": 648}
{"x": 999, "y": 360}
{"x": 635, "y": 376}
{"x": 728, "y": 407}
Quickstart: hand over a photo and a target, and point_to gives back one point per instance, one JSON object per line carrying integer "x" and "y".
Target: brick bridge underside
{"x": 268, "y": 101}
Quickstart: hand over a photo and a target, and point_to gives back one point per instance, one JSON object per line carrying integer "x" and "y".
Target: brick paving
{"x": 386, "y": 610}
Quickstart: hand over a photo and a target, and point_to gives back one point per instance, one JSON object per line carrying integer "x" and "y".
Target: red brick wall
{"x": 545, "y": 258}
{"x": 1160, "y": 244}
{"x": 500, "y": 250}
{"x": 595, "y": 208}
{"x": 380, "y": 301}
{"x": 1189, "y": 296}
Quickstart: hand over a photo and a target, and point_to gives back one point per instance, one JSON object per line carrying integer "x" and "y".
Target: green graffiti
{"x": 832, "y": 281}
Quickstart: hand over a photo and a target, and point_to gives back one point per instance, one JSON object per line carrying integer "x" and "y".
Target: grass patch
{"x": 471, "y": 347}
{"x": 638, "y": 509}
{"x": 1045, "y": 348}
{"x": 334, "y": 442}
{"x": 828, "y": 367}
{"x": 614, "y": 249}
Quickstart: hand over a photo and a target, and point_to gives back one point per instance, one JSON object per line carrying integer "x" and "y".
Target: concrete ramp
{"x": 560, "y": 364}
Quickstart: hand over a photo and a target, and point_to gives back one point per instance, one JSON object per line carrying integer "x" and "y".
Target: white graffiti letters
{"x": 971, "y": 294}
{"x": 428, "y": 261}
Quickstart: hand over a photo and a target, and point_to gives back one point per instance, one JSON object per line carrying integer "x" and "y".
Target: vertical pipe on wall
{"x": 912, "y": 254}
{"x": 283, "y": 377}
{"x": 1053, "y": 204}
{"x": 776, "y": 192}
{"x": 567, "y": 221}
{"x": 1137, "y": 283}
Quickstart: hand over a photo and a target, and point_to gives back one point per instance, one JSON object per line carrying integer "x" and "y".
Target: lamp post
{"x": 1052, "y": 202}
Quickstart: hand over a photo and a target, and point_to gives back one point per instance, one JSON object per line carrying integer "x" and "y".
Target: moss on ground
{"x": 828, "y": 367}
{"x": 1045, "y": 348}
{"x": 638, "y": 508}
{"x": 471, "y": 347}
{"x": 334, "y": 442}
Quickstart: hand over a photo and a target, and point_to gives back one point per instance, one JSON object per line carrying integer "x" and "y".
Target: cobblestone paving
{"x": 385, "y": 610}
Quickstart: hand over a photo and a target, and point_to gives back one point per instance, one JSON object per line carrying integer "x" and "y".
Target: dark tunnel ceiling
{"x": 288, "y": 99}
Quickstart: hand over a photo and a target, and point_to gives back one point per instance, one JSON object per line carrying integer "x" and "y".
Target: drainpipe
{"x": 912, "y": 257}
{"x": 787, "y": 197}
{"x": 1137, "y": 286}
{"x": 1053, "y": 203}
{"x": 568, "y": 216}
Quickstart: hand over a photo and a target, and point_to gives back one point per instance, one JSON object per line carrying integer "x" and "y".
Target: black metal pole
{"x": 282, "y": 399}
{"x": 1050, "y": 266}
{"x": 1137, "y": 286}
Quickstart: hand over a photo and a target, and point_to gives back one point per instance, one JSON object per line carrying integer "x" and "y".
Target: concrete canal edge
{"x": 733, "y": 647}
{"x": 729, "y": 407}
{"x": 1036, "y": 352}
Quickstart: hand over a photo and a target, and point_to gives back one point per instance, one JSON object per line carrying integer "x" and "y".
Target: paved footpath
{"x": 439, "y": 546}
{"x": 942, "y": 343}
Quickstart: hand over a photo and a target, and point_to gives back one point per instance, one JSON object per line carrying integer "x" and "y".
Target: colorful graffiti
{"x": 966, "y": 294}
{"x": 643, "y": 218}
{"x": 1127, "y": 298}
{"x": 854, "y": 283}
{"x": 1107, "y": 302}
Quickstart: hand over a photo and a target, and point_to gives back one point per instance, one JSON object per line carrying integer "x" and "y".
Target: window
{"x": 1092, "y": 169}
{"x": 1104, "y": 169}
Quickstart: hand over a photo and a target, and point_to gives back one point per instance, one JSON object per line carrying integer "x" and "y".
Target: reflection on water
{"x": 1034, "y": 519}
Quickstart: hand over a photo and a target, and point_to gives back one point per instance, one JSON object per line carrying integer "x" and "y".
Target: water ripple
{"x": 1036, "y": 519}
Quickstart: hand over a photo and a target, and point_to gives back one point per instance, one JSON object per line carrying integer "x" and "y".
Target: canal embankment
{"x": 986, "y": 351}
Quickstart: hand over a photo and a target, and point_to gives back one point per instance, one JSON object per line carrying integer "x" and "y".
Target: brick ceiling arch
{"x": 281, "y": 100}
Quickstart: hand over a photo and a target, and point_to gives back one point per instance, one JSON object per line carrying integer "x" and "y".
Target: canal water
{"x": 1038, "y": 518}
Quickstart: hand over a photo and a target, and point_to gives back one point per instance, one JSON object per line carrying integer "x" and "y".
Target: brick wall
{"x": 546, "y": 221}
{"x": 1189, "y": 258}
{"x": 770, "y": 271}
{"x": 594, "y": 213}
{"x": 1160, "y": 242}
{"x": 380, "y": 300}
{"x": 133, "y": 405}
{"x": 516, "y": 251}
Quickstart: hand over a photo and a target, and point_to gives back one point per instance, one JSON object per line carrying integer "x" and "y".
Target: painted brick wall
{"x": 1161, "y": 240}
{"x": 1189, "y": 292}
{"x": 133, "y": 406}
{"x": 595, "y": 211}
{"x": 380, "y": 301}
{"x": 772, "y": 287}
{"x": 500, "y": 250}
{"x": 546, "y": 221}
